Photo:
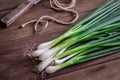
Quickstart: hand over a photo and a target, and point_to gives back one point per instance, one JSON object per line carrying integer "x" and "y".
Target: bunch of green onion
{"x": 95, "y": 36}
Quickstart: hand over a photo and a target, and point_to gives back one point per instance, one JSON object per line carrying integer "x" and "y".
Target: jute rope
{"x": 55, "y": 4}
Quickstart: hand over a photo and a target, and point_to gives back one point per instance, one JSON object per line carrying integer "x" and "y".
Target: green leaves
{"x": 95, "y": 36}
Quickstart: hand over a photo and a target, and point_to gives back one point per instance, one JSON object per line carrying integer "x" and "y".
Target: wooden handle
{"x": 11, "y": 17}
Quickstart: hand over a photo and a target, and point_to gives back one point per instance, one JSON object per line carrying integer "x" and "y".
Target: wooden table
{"x": 15, "y": 42}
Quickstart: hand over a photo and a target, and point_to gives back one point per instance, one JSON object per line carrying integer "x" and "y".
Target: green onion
{"x": 60, "y": 61}
{"x": 77, "y": 28}
{"x": 95, "y": 36}
{"x": 79, "y": 59}
{"x": 90, "y": 44}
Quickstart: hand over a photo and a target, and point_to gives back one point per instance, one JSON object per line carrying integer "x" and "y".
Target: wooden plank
{"x": 11, "y": 17}
{"x": 8, "y": 5}
{"x": 15, "y": 42}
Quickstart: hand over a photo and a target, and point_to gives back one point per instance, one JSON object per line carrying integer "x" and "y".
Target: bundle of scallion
{"x": 95, "y": 36}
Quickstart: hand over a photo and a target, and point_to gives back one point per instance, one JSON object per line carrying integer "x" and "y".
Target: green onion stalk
{"x": 77, "y": 28}
{"x": 109, "y": 39}
{"x": 80, "y": 59}
{"x": 100, "y": 47}
{"x": 90, "y": 27}
{"x": 87, "y": 46}
{"x": 97, "y": 34}
{"x": 73, "y": 40}
{"x": 115, "y": 6}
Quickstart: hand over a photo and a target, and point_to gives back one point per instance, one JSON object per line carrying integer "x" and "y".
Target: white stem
{"x": 44, "y": 45}
{"x": 37, "y": 53}
{"x": 49, "y": 53}
{"x": 61, "y": 51}
{"x": 44, "y": 64}
{"x": 64, "y": 59}
{"x": 52, "y": 69}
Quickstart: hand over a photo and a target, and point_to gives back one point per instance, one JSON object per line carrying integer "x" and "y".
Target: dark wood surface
{"x": 15, "y": 42}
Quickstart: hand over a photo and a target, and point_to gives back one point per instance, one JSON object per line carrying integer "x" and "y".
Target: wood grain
{"x": 15, "y": 42}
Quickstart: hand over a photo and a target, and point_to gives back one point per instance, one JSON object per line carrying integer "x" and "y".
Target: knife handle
{"x": 12, "y": 16}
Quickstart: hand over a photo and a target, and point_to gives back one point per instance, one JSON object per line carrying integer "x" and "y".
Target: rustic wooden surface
{"x": 15, "y": 42}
